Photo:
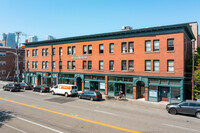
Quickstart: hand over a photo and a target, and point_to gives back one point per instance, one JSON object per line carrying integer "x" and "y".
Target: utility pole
{"x": 193, "y": 50}
{"x": 17, "y": 33}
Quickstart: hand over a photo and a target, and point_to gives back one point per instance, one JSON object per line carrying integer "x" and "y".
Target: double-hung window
{"x": 36, "y": 52}
{"x": 147, "y": 65}
{"x": 111, "y": 65}
{"x": 69, "y": 50}
{"x": 60, "y": 51}
{"x": 68, "y": 65}
{"x": 170, "y": 65}
{"x": 73, "y": 65}
{"x": 156, "y": 65}
{"x": 43, "y": 52}
{"x": 46, "y": 65}
{"x": 27, "y": 64}
{"x": 36, "y": 65}
{"x": 131, "y": 47}
{"x": 53, "y": 51}
{"x": 111, "y": 48}
{"x": 147, "y": 46}
{"x": 123, "y": 47}
{"x": 46, "y": 51}
{"x": 53, "y": 65}
{"x": 85, "y": 49}
{"x": 89, "y": 49}
{"x": 100, "y": 65}
{"x": 156, "y": 45}
{"x": 123, "y": 65}
{"x": 33, "y": 64}
{"x": 33, "y": 52}
{"x": 131, "y": 65}
{"x": 43, "y": 65}
{"x": 170, "y": 45}
{"x": 28, "y": 53}
{"x": 101, "y": 48}
{"x": 73, "y": 50}
{"x": 84, "y": 65}
{"x": 89, "y": 65}
{"x": 60, "y": 64}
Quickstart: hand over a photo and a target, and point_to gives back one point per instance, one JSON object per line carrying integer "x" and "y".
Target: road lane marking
{"x": 13, "y": 127}
{"x": 105, "y": 112}
{"x": 181, "y": 127}
{"x": 34, "y": 123}
{"x": 75, "y": 117}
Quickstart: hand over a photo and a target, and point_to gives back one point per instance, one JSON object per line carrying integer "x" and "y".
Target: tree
{"x": 197, "y": 75}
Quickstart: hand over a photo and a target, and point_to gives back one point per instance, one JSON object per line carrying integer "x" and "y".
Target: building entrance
{"x": 119, "y": 87}
{"x": 94, "y": 85}
{"x": 79, "y": 84}
{"x": 164, "y": 93}
{"x": 140, "y": 89}
{"x": 39, "y": 80}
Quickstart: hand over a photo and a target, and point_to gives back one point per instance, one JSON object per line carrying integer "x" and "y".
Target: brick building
{"x": 147, "y": 63}
{"x": 8, "y": 62}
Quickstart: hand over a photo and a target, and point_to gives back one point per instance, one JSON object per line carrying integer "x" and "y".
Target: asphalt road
{"x": 34, "y": 112}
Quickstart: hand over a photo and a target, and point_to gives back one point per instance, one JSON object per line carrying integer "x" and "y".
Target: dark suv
{"x": 12, "y": 87}
{"x": 92, "y": 95}
{"x": 187, "y": 107}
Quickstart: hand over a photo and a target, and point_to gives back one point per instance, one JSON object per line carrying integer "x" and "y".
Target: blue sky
{"x": 66, "y": 18}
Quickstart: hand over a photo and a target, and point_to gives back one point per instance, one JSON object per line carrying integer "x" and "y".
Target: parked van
{"x": 65, "y": 89}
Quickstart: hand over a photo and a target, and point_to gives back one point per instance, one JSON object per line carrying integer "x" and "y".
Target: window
{"x": 130, "y": 47}
{"x": 131, "y": 65}
{"x": 43, "y": 65}
{"x": 124, "y": 47}
{"x": 33, "y": 52}
{"x": 69, "y": 50}
{"x": 111, "y": 47}
{"x": 84, "y": 49}
{"x": 147, "y": 65}
{"x": 46, "y": 65}
{"x": 156, "y": 65}
{"x": 101, "y": 48}
{"x": 89, "y": 49}
{"x": 27, "y": 64}
{"x": 84, "y": 64}
{"x": 28, "y": 53}
{"x": 36, "y": 65}
{"x": 170, "y": 66}
{"x": 73, "y": 65}
{"x": 170, "y": 45}
{"x": 111, "y": 65}
{"x": 124, "y": 68}
{"x": 147, "y": 46}
{"x": 69, "y": 65}
{"x": 33, "y": 64}
{"x": 60, "y": 51}
{"x": 73, "y": 50}
{"x": 100, "y": 65}
{"x": 3, "y": 71}
{"x": 89, "y": 65}
{"x": 53, "y": 64}
{"x": 43, "y": 52}
{"x": 36, "y": 52}
{"x": 47, "y": 51}
{"x": 60, "y": 64}
{"x": 53, "y": 51}
{"x": 156, "y": 45}
{"x": 2, "y": 54}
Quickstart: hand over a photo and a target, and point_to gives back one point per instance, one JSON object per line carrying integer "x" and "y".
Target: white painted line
{"x": 13, "y": 127}
{"x": 105, "y": 112}
{"x": 181, "y": 128}
{"x": 33, "y": 123}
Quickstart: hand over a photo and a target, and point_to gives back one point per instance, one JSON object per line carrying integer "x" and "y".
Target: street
{"x": 34, "y": 112}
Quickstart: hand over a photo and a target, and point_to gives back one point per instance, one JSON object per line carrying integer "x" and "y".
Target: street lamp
{"x": 193, "y": 50}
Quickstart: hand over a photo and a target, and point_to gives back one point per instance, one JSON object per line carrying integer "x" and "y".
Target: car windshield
{"x": 183, "y": 104}
{"x": 74, "y": 87}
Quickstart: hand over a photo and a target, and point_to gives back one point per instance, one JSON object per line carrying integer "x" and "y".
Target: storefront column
{"x": 37, "y": 81}
{"x": 82, "y": 86}
{"x": 106, "y": 85}
{"x": 146, "y": 93}
{"x": 57, "y": 79}
{"x": 75, "y": 82}
{"x": 41, "y": 80}
{"x": 134, "y": 92}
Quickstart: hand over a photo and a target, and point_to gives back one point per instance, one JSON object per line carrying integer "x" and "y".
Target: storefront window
{"x": 175, "y": 93}
{"x": 129, "y": 90}
{"x": 128, "y": 79}
{"x": 102, "y": 87}
{"x": 112, "y": 78}
{"x": 87, "y": 76}
{"x": 87, "y": 86}
{"x": 111, "y": 89}
{"x": 163, "y": 81}
{"x": 174, "y": 82}
{"x": 101, "y": 77}
{"x": 119, "y": 79}
{"x": 71, "y": 75}
{"x": 153, "y": 81}
{"x": 59, "y": 81}
{"x": 153, "y": 93}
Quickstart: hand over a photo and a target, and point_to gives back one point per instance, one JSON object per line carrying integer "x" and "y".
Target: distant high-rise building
{"x": 49, "y": 37}
{"x": 33, "y": 38}
{"x": 9, "y": 39}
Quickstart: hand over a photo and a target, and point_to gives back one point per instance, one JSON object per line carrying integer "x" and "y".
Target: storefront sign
{"x": 102, "y": 86}
{"x": 152, "y": 93}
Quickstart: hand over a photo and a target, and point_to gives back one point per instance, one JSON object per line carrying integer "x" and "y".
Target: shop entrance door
{"x": 94, "y": 86}
{"x": 79, "y": 84}
{"x": 119, "y": 87}
{"x": 164, "y": 93}
{"x": 39, "y": 80}
{"x": 140, "y": 89}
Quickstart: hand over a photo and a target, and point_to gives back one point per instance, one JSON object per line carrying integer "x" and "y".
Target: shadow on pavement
{"x": 4, "y": 116}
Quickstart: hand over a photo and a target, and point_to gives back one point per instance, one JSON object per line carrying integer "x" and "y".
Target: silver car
{"x": 187, "y": 107}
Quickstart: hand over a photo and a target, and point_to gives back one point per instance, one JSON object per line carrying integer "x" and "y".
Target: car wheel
{"x": 53, "y": 93}
{"x": 198, "y": 115}
{"x": 91, "y": 99}
{"x": 173, "y": 111}
{"x": 66, "y": 94}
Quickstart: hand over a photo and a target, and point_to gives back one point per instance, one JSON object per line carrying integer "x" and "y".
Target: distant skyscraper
{"x": 9, "y": 39}
{"x": 33, "y": 38}
{"x": 49, "y": 37}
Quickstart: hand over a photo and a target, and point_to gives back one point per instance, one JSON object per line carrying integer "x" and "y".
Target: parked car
{"x": 91, "y": 95}
{"x": 12, "y": 87}
{"x": 41, "y": 88}
{"x": 186, "y": 107}
{"x": 26, "y": 86}
{"x": 65, "y": 89}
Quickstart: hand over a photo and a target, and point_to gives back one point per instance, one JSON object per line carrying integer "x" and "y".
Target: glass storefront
{"x": 129, "y": 90}
{"x": 153, "y": 94}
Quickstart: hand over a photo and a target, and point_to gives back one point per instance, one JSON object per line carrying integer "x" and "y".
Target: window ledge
{"x": 101, "y": 71}
{"x": 171, "y": 72}
{"x": 148, "y": 52}
{"x": 148, "y": 71}
{"x": 101, "y": 54}
{"x": 170, "y": 51}
{"x": 156, "y": 52}
{"x": 111, "y": 70}
{"x": 124, "y": 71}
